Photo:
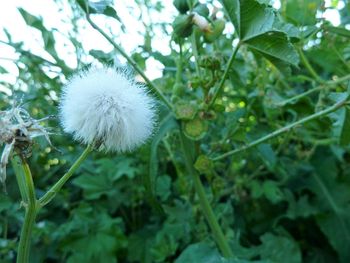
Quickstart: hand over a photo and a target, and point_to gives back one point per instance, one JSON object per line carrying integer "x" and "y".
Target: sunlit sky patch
{"x": 56, "y": 17}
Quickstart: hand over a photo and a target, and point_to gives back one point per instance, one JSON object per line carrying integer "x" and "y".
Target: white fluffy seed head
{"x": 105, "y": 107}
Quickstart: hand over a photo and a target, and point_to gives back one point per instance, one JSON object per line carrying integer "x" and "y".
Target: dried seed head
{"x": 17, "y": 130}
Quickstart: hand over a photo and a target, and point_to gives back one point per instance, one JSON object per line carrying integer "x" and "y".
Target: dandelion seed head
{"x": 107, "y": 108}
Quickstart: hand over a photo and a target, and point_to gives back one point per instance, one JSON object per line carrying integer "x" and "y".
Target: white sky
{"x": 55, "y": 19}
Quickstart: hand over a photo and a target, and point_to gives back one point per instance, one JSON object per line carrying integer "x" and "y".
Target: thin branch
{"x": 131, "y": 61}
{"x": 282, "y": 130}
{"x": 309, "y": 67}
{"x": 310, "y": 91}
{"x": 224, "y": 76}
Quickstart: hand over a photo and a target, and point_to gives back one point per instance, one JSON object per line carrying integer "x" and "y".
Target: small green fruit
{"x": 203, "y": 164}
{"x": 185, "y": 111}
{"x": 195, "y": 129}
{"x": 218, "y": 27}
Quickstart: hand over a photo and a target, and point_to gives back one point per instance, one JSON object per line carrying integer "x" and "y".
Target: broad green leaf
{"x": 336, "y": 228}
{"x": 279, "y": 249}
{"x": 256, "y": 19}
{"x": 272, "y": 192}
{"x": 333, "y": 198}
{"x": 200, "y": 252}
{"x": 232, "y": 8}
{"x": 94, "y": 186}
{"x": 262, "y": 30}
{"x": 301, "y": 12}
{"x": 339, "y": 31}
{"x": 275, "y": 44}
{"x": 267, "y": 155}
{"x": 341, "y": 118}
{"x": 344, "y": 138}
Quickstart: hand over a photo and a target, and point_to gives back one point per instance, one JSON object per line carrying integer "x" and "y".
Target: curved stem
{"x": 309, "y": 67}
{"x": 50, "y": 194}
{"x": 310, "y": 91}
{"x": 195, "y": 53}
{"x": 224, "y": 76}
{"x": 30, "y": 215}
{"x": 299, "y": 96}
{"x": 131, "y": 62}
{"x": 207, "y": 210}
{"x": 282, "y": 130}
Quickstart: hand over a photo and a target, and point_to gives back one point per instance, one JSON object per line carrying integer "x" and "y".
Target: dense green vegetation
{"x": 259, "y": 117}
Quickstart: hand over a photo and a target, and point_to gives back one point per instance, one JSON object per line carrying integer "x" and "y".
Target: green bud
{"x": 210, "y": 62}
{"x": 195, "y": 129}
{"x": 185, "y": 111}
{"x": 218, "y": 27}
{"x": 183, "y": 25}
{"x": 203, "y": 164}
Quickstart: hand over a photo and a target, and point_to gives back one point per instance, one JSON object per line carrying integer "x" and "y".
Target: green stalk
{"x": 17, "y": 167}
{"x": 207, "y": 210}
{"x": 309, "y": 67}
{"x": 29, "y": 218}
{"x": 195, "y": 53}
{"x": 50, "y": 194}
{"x": 282, "y": 130}
{"x": 224, "y": 76}
{"x": 310, "y": 91}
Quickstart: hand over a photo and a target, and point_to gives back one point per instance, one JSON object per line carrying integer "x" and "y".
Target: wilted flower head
{"x": 17, "y": 129}
{"x": 105, "y": 107}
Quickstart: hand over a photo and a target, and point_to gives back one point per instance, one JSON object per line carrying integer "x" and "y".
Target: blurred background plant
{"x": 284, "y": 200}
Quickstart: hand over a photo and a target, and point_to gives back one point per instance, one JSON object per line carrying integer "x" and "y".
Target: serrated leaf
{"x": 259, "y": 26}
{"x": 232, "y": 8}
{"x": 279, "y": 249}
{"x": 275, "y": 44}
{"x": 94, "y": 186}
{"x": 301, "y": 12}
{"x": 333, "y": 198}
{"x": 199, "y": 252}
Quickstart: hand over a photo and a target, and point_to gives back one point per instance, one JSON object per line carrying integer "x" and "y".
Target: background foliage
{"x": 286, "y": 200}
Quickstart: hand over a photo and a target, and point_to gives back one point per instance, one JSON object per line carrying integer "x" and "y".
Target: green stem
{"x": 50, "y": 194}
{"x": 310, "y": 91}
{"x": 299, "y": 96}
{"x": 224, "y": 76}
{"x": 17, "y": 167}
{"x": 282, "y": 130}
{"x": 339, "y": 80}
{"x": 207, "y": 210}
{"x": 29, "y": 218}
{"x": 195, "y": 53}
{"x": 309, "y": 67}
{"x": 131, "y": 62}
